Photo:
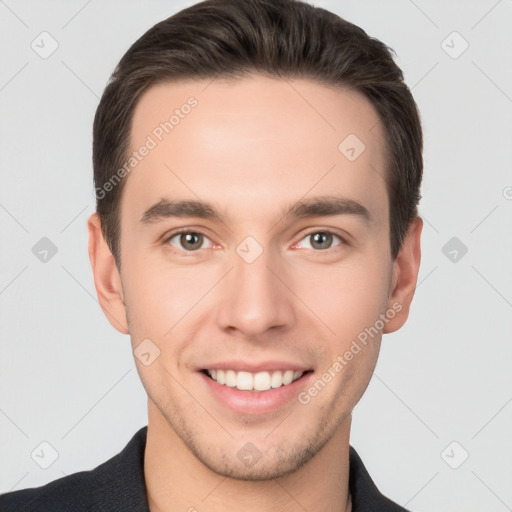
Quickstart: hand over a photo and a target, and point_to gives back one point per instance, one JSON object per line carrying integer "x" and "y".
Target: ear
{"x": 405, "y": 276}
{"x": 106, "y": 277}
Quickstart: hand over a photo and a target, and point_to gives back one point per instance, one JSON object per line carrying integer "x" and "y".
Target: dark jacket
{"x": 118, "y": 485}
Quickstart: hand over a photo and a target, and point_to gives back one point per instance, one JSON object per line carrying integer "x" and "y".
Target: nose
{"x": 255, "y": 297}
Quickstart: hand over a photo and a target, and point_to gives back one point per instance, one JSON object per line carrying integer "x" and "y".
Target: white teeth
{"x": 261, "y": 381}
{"x": 231, "y": 378}
{"x": 244, "y": 381}
{"x": 288, "y": 377}
{"x": 221, "y": 376}
{"x": 277, "y": 380}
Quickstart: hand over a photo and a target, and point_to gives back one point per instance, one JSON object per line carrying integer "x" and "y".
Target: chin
{"x": 261, "y": 467}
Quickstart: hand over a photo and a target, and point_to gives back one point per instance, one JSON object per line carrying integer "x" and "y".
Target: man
{"x": 257, "y": 166}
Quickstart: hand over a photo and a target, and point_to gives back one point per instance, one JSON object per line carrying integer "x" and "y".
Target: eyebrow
{"x": 313, "y": 207}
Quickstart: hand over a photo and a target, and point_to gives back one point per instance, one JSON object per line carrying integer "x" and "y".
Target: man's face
{"x": 256, "y": 290}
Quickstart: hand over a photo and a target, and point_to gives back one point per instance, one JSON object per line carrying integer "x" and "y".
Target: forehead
{"x": 253, "y": 141}
{"x": 258, "y": 105}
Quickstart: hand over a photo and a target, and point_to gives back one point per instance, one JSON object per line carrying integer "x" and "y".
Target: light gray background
{"x": 69, "y": 379}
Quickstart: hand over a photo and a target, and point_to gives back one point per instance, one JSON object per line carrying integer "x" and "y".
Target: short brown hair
{"x": 279, "y": 38}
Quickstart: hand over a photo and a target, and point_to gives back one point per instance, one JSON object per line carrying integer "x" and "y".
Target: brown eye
{"x": 188, "y": 241}
{"x": 321, "y": 240}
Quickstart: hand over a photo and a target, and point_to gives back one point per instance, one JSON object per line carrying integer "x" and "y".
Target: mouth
{"x": 255, "y": 388}
{"x": 249, "y": 381}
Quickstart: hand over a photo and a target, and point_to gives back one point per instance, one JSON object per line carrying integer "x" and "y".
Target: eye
{"x": 321, "y": 240}
{"x": 189, "y": 241}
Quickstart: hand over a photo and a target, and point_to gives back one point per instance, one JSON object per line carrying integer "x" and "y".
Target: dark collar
{"x": 365, "y": 495}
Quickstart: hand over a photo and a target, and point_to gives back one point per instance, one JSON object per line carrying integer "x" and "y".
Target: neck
{"x": 177, "y": 481}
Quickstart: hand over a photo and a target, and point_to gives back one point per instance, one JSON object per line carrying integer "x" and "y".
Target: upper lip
{"x": 253, "y": 367}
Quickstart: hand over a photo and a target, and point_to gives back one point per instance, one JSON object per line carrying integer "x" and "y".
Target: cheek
{"x": 348, "y": 297}
{"x": 161, "y": 297}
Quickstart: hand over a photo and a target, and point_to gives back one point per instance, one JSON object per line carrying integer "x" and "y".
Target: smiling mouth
{"x": 260, "y": 381}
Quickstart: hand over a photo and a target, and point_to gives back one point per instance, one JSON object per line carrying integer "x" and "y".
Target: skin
{"x": 253, "y": 147}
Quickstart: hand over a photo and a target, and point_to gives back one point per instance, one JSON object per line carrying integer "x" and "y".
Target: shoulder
{"x": 73, "y": 492}
{"x": 365, "y": 494}
{"x": 108, "y": 487}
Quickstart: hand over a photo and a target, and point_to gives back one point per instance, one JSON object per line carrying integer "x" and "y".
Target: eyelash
{"x": 343, "y": 241}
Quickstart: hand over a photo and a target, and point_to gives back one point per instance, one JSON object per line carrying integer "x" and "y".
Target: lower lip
{"x": 255, "y": 402}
